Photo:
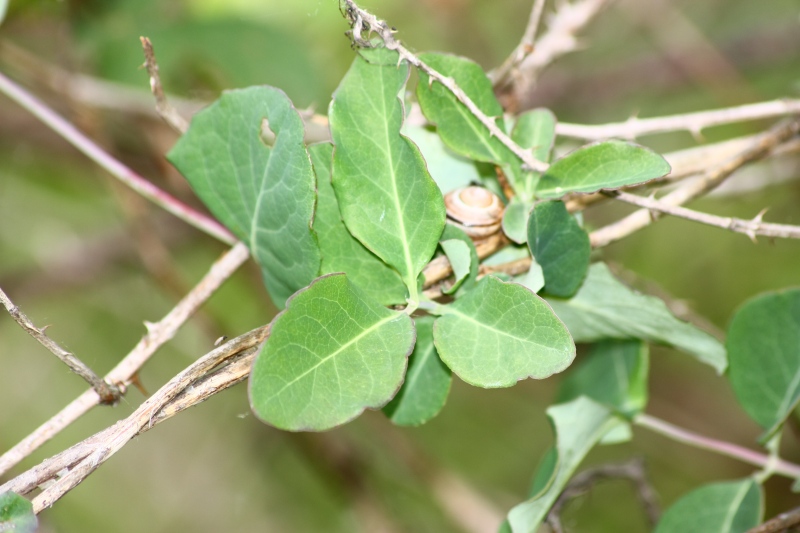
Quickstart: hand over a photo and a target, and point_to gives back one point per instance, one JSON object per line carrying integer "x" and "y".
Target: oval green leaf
{"x": 386, "y": 196}
{"x": 341, "y": 252}
{"x": 764, "y": 356}
{"x": 452, "y": 233}
{"x": 331, "y": 354}
{"x": 730, "y": 507}
{"x": 16, "y": 514}
{"x": 264, "y": 195}
{"x": 604, "y": 308}
{"x": 534, "y": 130}
{"x": 427, "y": 382}
{"x": 560, "y": 246}
{"x": 499, "y": 333}
{"x": 515, "y": 220}
{"x": 603, "y": 165}
{"x": 458, "y": 253}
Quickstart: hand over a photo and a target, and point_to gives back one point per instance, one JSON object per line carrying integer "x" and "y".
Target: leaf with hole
{"x": 604, "y": 308}
{"x": 264, "y": 195}
{"x": 16, "y": 514}
{"x": 386, "y": 196}
{"x": 499, "y": 333}
{"x": 341, "y": 252}
{"x": 331, "y": 354}
{"x": 764, "y": 356}
{"x": 602, "y": 165}
{"x": 427, "y": 382}
{"x": 729, "y": 507}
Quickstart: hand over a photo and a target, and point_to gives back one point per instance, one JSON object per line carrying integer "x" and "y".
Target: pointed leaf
{"x": 500, "y": 333}
{"x": 603, "y": 165}
{"x": 458, "y": 254}
{"x": 613, "y": 373}
{"x": 386, "y": 196}
{"x": 515, "y": 220}
{"x": 536, "y": 130}
{"x": 448, "y": 169}
{"x": 578, "y": 426}
{"x": 453, "y": 233}
{"x": 730, "y": 507}
{"x": 427, "y": 382}
{"x": 604, "y": 308}
{"x": 764, "y": 351}
{"x": 16, "y": 514}
{"x": 560, "y": 246}
{"x": 331, "y": 354}
{"x": 264, "y": 195}
{"x": 341, "y": 252}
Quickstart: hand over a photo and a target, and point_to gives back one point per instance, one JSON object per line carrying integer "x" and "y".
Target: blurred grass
{"x": 215, "y": 468}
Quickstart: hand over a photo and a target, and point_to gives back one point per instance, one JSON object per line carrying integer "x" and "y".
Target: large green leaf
{"x": 603, "y": 165}
{"x": 729, "y": 507}
{"x": 764, "y": 356}
{"x": 604, "y": 308}
{"x": 578, "y": 426}
{"x": 499, "y": 333}
{"x": 386, "y": 196}
{"x": 331, "y": 354}
{"x": 560, "y": 246}
{"x": 613, "y": 373}
{"x": 264, "y": 195}
{"x": 341, "y": 252}
{"x": 16, "y": 514}
{"x": 535, "y": 130}
{"x": 427, "y": 382}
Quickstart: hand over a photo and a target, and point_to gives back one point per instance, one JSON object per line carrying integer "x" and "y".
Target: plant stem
{"x": 777, "y": 465}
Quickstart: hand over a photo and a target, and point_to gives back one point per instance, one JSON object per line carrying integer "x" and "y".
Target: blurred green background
{"x": 93, "y": 260}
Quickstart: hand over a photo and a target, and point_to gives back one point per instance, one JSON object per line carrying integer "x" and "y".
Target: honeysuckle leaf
{"x": 427, "y": 382}
{"x": 515, "y": 220}
{"x": 764, "y": 356}
{"x": 332, "y": 353}
{"x": 534, "y": 130}
{"x": 458, "y": 253}
{"x": 264, "y": 195}
{"x": 604, "y": 308}
{"x": 560, "y": 246}
{"x": 453, "y": 233}
{"x": 578, "y": 426}
{"x": 386, "y": 196}
{"x": 728, "y": 507}
{"x": 16, "y": 514}
{"x": 341, "y": 252}
{"x": 499, "y": 333}
{"x": 602, "y": 165}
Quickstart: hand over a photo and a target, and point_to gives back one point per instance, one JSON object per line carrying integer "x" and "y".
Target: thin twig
{"x": 163, "y": 107}
{"x": 751, "y": 228}
{"x": 523, "y": 49}
{"x": 112, "y": 165}
{"x": 776, "y": 465}
{"x": 107, "y": 392}
{"x": 694, "y": 123}
{"x": 761, "y": 146}
{"x": 784, "y": 522}
{"x": 157, "y": 334}
{"x": 363, "y": 21}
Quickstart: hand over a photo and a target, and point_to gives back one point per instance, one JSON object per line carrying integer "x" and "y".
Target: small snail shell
{"x": 477, "y": 211}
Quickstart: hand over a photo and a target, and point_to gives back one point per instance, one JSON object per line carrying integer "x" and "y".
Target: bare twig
{"x": 157, "y": 335}
{"x": 784, "y": 522}
{"x": 112, "y": 165}
{"x": 363, "y": 21}
{"x": 694, "y": 123}
{"x": 761, "y": 146}
{"x": 751, "y": 228}
{"x": 108, "y": 393}
{"x": 163, "y": 107}
{"x": 776, "y": 465}
{"x": 523, "y": 49}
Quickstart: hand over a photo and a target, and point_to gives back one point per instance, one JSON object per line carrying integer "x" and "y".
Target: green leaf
{"x": 386, "y": 196}
{"x": 427, "y": 382}
{"x": 458, "y": 253}
{"x": 16, "y": 514}
{"x": 453, "y": 233}
{"x": 448, "y": 169}
{"x": 613, "y": 373}
{"x": 535, "y": 130}
{"x": 341, "y": 252}
{"x": 515, "y": 220}
{"x": 264, "y": 195}
{"x": 578, "y": 426}
{"x": 603, "y": 165}
{"x": 764, "y": 352}
{"x": 604, "y": 308}
{"x": 729, "y": 507}
{"x": 560, "y": 246}
{"x": 331, "y": 354}
{"x": 499, "y": 333}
